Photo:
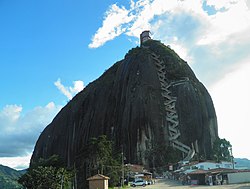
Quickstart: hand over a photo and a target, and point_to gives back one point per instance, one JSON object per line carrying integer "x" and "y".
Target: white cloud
{"x": 12, "y": 112}
{"x": 63, "y": 89}
{"x": 69, "y": 92}
{"x": 234, "y": 20}
{"x": 19, "y": 131}
{"x": 18, "y": 163}
{"x": 221, "y": 4}
{"x": 231, "y": 99}
{"x": 77, "y": 87}
{"x": 182, "y": 51}
{"x": 138, "y": 17}
{"x": 112, "y": 25}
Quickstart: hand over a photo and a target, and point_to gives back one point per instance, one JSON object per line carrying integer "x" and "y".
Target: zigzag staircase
{"x": 169, "y": 105}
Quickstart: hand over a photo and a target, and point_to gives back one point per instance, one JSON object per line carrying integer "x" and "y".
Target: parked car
{"x": 138, "y": 183}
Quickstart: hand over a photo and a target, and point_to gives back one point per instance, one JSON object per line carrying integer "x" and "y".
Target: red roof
{"x": 222, "y": 170}
{"x": 198, "y": 172}
{"x": 214, "y": 171}
{"x": 98, "y": 177}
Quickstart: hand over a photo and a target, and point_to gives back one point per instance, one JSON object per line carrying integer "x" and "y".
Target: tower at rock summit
{"x": 150, "y": 103}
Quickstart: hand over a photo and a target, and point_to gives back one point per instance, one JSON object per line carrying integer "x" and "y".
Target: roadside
{"x": 166, "y": 183}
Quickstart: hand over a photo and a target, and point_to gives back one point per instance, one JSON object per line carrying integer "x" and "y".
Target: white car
{"x": 138, "y": 183}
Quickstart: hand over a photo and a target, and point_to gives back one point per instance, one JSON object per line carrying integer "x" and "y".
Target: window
{"x": 194, "y": 167}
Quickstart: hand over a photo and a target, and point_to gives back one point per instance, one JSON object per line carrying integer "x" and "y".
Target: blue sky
{"x": 50, "y": 50}
{"x": 45, "y": 40}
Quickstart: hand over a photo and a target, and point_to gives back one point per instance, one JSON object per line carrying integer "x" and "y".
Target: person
{"x": 210, "y": 180}
{"x": 188, "y": 179}
{"x": 183, "y": 180}
{"x": 207, "y": 180}
{"x": 219, "y": 179}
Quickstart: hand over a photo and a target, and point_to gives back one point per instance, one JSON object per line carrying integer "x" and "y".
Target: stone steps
{"x": 170, "y": 108}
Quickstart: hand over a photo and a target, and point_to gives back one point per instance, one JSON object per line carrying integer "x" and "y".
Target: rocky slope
{"x": 150, "y": 102}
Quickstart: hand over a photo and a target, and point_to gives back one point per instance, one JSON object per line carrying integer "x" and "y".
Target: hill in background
{"x": 9, "y": 177}
{"x": 242, "y": 163}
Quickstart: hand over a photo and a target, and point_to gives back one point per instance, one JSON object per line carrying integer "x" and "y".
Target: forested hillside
{"x": 9, "y": 177}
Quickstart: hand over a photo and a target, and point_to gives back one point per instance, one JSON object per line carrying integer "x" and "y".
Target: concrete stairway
{"x": 169, "y": 105}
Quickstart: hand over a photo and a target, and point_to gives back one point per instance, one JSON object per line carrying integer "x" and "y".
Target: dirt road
{"x": 166, "y": 184}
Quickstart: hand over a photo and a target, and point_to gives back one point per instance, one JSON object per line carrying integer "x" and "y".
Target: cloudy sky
{"x": 50, "y": 50}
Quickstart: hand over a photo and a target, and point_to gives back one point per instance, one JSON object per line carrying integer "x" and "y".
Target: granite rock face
{"x": 127, "y": 104}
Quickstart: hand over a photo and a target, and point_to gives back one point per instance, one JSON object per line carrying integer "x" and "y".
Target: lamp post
{"x": 231, "y": 155}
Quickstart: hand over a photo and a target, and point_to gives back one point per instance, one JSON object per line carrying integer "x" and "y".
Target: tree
{"x": 158, "y": 155}
{"x": 222, "y": 150}
{"x": 53, "y": 161}
{"x": 100, "y": 157}
{"x": 46, "y": 174}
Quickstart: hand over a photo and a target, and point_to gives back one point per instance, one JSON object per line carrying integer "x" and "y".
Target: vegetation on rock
{"x": 100, "y": 157}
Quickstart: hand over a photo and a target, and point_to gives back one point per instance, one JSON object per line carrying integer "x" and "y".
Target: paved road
{"x": 166, "y": 184}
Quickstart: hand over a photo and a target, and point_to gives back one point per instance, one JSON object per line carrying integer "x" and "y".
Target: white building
{"x": 206, "y": 165}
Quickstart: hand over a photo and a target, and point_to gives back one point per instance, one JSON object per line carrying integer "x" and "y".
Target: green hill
{"x": 9, "y": 177}
{"x": 242, "y": 163}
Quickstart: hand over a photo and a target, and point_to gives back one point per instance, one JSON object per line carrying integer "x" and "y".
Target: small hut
{"x": 98, "y": 182}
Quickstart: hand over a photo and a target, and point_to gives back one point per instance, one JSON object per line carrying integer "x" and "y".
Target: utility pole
{"x": 122, "y": 181}
{"x": 74, "y": 179}
{"x": 62, "y": 181}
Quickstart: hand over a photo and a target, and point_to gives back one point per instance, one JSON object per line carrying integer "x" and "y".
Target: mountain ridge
{"x": 242, "y": 163}
{"x": 9, "y": 177}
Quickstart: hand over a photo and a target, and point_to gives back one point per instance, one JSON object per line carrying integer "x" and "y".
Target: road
{"x": 166, "y": 184}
